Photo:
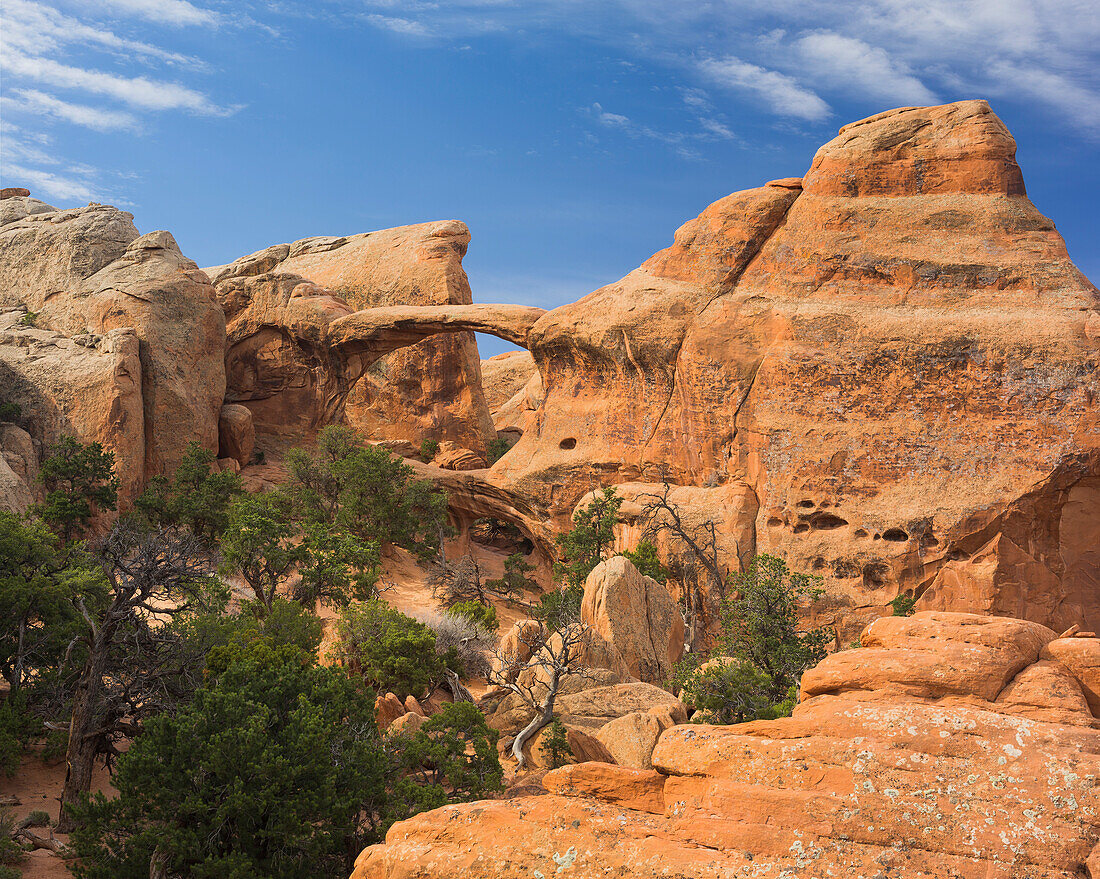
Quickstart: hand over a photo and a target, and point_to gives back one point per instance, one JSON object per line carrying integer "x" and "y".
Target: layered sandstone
{"x": 875, "y": 776}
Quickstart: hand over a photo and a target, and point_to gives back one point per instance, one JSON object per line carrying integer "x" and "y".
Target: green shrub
{"x": 587, "y": 543}
{"x": 555, "y": 746}
{"x": 644, "y": 558}
{"x": 30, "y": 319}
{"x": 197, "y": 497}
{"x": 904, "y": 605}
{"x": 364, "y": 490}
{"x": 80, "y": 481}
{"x": 429, "y": 448}
{"x": 754, "y": 672}
{"x": 391, "y": 652}
{"x": 275, "y": 770}
{"x": 454, "y": 751}
{"x": 10, "y": 411}
{"x": 497, "y": 449}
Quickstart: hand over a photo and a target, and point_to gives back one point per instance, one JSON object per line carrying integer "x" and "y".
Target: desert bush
{"x": 197, "y": 497}
{"x": 464, "y": 634}
{"x": 391, "y": 652}
{"x": 904, "y": 605}
{"x": 429, "y": 448}
{"x": 755, "y": 670}
{"x": 274, "y": 770}
{"x": 555, "y": 746}
{"x": 80, "y": 481}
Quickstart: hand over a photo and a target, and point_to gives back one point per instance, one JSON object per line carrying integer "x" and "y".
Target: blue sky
{"x": 573, "y": 136}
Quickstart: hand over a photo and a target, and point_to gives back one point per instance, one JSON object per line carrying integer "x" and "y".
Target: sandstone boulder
{"x": 89, "y": 387}
{"x": 636, "y": 616}
{"x": 406, "y": 724}
{"x": 640, "y": 790}
{"x": 630, "y": 739}
{"x": 452, "y": 456}
{"x": 387, "y": 709}
{"x": 931, "y": 655}
{"x": 1081, "y": 657}
{"x": 86, "y": 272}
{"x": 236, "y": 434}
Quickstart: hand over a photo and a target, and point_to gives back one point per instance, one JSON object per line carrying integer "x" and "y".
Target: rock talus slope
{"x": 885, "y": 769}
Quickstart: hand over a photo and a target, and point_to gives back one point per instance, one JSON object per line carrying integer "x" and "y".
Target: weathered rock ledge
{"x": 924, "y": 754}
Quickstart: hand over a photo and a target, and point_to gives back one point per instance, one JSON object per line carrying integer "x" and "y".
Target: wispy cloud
{"x": 137, "y": 91}
{"x": 51, "y": 184}
{"x": 97, "y": 118}
{"x": 35, "y": 29}
{"x": 404, "y": 26}
{"x": 681, "y": 141}
{"x": 852, "y": 64}
{"x": 782, "y": 93}
{"x": 178, "y": 13}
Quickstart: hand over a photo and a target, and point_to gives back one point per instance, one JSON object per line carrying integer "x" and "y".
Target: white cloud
{"x": 857, "y": 67}
{"x": 97, "y": 118}
{"x": 404, "y": 26}
{"x": 781, "y": 92}
{"x": 1080, "y": 105}
{"x": 34, "y": 29}
{"x": 137, "y": 91}
{"x": 680, "y": 141}
{"x": 174, "y": 12}
{"x": 48, "y": 183}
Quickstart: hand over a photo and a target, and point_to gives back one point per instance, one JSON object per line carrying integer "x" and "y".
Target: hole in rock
{"x": 957, "y": 555}
{"x": 807, "y": 505}
{"x": 801, "y": 528}
{"x": 773, "y": 522}
{"x": 895, "y": 535}
{"x": 568, "y": 443}
{"x": 874, "y": 576}
{"x": 827, "y": 522}
{"x": 818, "y": 563}
{"x": 859, "y": 532}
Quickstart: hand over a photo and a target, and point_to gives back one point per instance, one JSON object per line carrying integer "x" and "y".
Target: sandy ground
{"x": 38, "y": 785}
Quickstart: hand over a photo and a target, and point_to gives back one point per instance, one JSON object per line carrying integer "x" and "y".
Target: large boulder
{"x": 931, "y": 655}
{"x": 236, "y": 433}
{"x": 636, "y": 617}
{"x": 89, "y": 387}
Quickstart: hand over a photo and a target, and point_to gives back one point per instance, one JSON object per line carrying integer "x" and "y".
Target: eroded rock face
{"x": 89, "y": 387}
{"x": 431, "y": 389}
{"x": 893, "y": 358}
{"x": 897, "y": 784}
{"x": 87, "y": 273}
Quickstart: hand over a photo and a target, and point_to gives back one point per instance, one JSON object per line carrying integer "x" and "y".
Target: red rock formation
{"x": 878, "y": 777}
{"x": 894, "y": 360}
{"x": 431, "y": 389}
